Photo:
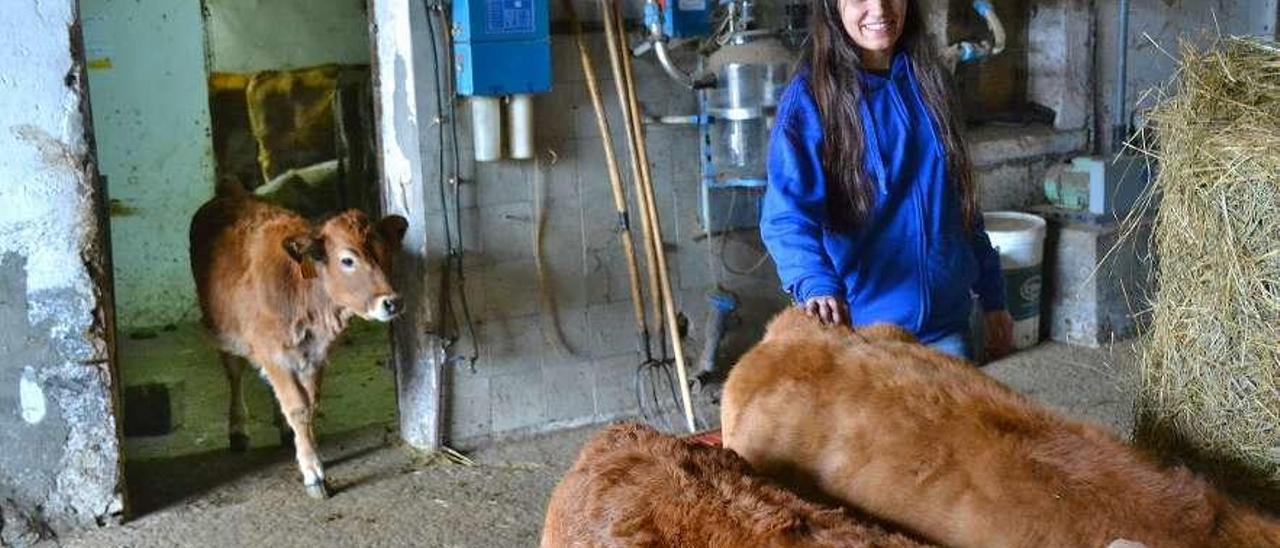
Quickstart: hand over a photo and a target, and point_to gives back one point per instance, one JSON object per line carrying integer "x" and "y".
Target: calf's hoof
{"x": 317, "y": 490}
{"x": 239, "y": 442}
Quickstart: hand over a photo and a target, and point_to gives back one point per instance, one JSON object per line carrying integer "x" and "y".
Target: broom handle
{"x": 615, "y": 182}
{"x": 638, "y": 168}
{"x": 614, "y": 21}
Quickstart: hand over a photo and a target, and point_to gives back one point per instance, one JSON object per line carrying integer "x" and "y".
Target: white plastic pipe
{"x": 486, "y": 128}
{"x": 659, "y": 42}
{"x": 520, "y": 126}
{"x": 971, "y": 52}
{"x": 664, "y": 59}
{"x": 988, "y": 12}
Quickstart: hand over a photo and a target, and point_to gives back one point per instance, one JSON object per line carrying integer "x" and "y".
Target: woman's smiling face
{"x": 874, "y": 26}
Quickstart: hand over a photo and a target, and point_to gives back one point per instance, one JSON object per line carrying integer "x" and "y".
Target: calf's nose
{"x": 392, "y": 304}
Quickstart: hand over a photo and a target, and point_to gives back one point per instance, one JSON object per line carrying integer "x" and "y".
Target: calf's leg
{"x": 233, "y": 366}
{"x": 282, "y": 426}
{"x": 310, "y": 381}
{"x": 297, "y": 410}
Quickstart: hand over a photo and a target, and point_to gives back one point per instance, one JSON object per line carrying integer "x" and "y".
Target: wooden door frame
{"x": 399, "y": 77}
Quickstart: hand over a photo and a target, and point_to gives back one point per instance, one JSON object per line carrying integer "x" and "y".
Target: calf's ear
{"x": 305, "y": 249}
{"x": 393, "y": 227}
{"x": 305, "y": 246}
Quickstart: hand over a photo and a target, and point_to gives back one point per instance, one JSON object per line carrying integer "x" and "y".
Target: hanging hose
{"x": 988, "y": 12}
{"x": 653, "y": 19}
{"x": 550, "y": 324}
{"x": 971, "y": 52}
{"x": 664, "y": 59}
{"x": 452, "y": 223}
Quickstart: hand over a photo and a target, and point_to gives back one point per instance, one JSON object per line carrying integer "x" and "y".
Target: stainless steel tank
{"x": 752, "y": 68}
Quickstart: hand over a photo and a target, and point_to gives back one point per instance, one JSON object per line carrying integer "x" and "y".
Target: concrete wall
{"x": 521, "y": 383}
{"x": 151, "y": 119}
{"x": 1072, "y": 69}
{"x": 59, "y": 450}
{"x": 253, "y": 35}
{"x": 1166, "y": 21}
{"x": 1060, "y": 61}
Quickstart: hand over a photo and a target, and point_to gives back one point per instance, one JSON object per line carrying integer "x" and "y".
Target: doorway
{"x": 188, "y": 97}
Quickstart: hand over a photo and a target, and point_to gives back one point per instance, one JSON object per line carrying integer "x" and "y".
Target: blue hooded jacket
{"x": 912, "y": 263}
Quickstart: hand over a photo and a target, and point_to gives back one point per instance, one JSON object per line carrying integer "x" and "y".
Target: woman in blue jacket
{"x": 870, "y": 213}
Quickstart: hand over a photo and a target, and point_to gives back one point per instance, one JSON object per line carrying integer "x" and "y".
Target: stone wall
{"x": 60, "y": 463}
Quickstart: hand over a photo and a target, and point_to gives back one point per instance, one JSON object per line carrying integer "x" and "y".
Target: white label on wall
{"x": 97, "y": 41}
{"x": 693, "y": 5}
{"x": 31, "y": 397}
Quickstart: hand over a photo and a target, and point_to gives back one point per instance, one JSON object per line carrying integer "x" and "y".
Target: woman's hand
{"x": 999, "y": 330}
{"x": 828, "y": 309}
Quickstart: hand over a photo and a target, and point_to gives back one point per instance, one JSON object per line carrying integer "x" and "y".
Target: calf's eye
{"x": 348, "y": 262}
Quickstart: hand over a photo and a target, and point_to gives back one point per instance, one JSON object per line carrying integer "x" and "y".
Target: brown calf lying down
{"x": 925, "y": 441}
{"x": 633, "y": 486}
{"x": 277, "y": 291}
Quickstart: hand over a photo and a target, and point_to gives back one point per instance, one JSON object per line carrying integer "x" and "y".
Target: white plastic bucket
{"x": 1019, "y": 237}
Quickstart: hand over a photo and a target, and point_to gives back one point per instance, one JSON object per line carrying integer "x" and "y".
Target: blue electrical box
{"x": 682, "y": 18}
{"x": 502, "y": 47}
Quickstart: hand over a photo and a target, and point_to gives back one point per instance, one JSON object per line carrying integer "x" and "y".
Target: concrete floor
{"x": 387, "y": 496}
{"x": 359, "y": 391}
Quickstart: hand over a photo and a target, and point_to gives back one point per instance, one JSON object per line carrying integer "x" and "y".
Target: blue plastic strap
{"x": 983, "y": 7}
{"x": 723, "y": 302}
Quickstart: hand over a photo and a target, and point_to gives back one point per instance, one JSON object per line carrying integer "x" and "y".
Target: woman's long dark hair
{"x": 834, "y": 66}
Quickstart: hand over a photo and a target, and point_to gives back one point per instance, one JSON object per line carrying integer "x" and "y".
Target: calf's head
{"x": 351, "y": 257}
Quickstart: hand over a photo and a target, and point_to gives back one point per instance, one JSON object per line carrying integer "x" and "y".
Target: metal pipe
{"x": 674, "y": 120}
{"x": 653, "y": 20}
{"x": 1119, "y": 118}
{"x": 988, "y": 12}
{"x": 965, "y": 52}
{"x": 664, "y": 59}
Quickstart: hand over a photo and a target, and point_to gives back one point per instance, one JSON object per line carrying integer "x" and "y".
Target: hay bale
{"x": 1208, "y": 389}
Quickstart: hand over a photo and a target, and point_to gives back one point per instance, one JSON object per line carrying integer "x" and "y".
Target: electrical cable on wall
{"x": 457, "y": 205}
{"x": 724, "y": 241}
{"x": 452, "y": 224}
{"x": 551, "y": 331}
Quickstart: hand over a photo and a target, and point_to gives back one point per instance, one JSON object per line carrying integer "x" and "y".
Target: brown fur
{"x": 273, "y": 292}
{"x": 633, "y": 486}
{"x": 798, "y": 320}
{"x": 930, "y": 443}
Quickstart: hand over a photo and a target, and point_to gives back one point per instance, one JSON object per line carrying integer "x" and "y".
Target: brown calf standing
{"x": 633, "y": 486}
{"x": 277, "y": 291}
{"x": 917, "y": 438}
